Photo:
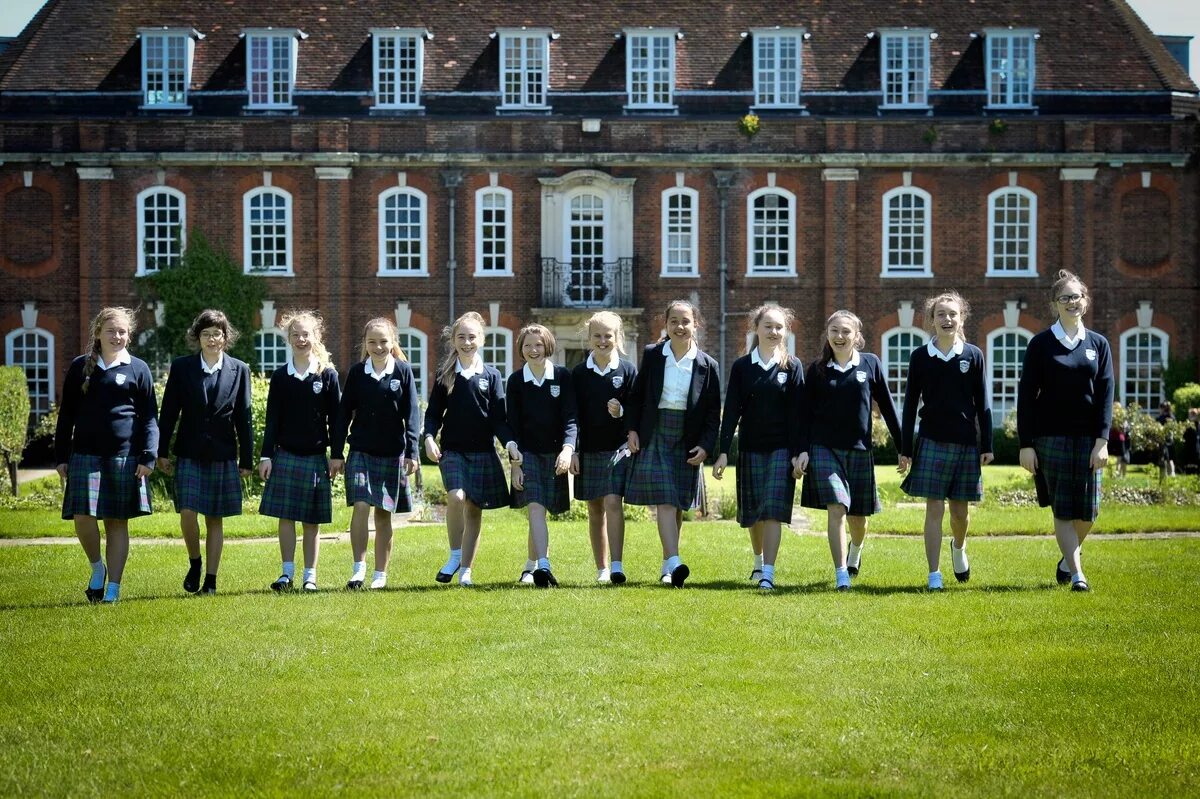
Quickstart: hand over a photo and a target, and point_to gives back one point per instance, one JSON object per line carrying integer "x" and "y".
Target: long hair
{"x": 826, "y": 349}
{"x": 1061, "y": 278}
{"x": 781, "y": 349}
{"x": 549, "y": 343}
{"x": 316, "y": 340}
{"x": 697, "y": 320}
{"x": 964, "y": 312}
{"x": 608, "y": 319}
{"x": 390, "y": 327}
{"x": 93, "y": 355}
{"x": 211, "y": 317}
{"x": 445, "y": 372}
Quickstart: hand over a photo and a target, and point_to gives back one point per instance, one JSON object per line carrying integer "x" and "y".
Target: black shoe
{"x": 766, "y": 585}
{"x": 445, "y": 577}
{"x": 354, "y": 585}
{"x": 618, "y": 578}
{"x": 208, "y": 590}
{"x": 1080, "y": 585}
{"x": 756, "y": 575}
{"x": 542, "y": 578}
{"x": 962, "y": 577}
{"x": 210, "y": 585}
{"x": 191, "y": 581}
{"x": 853, "y": 570}
{"x": 843, "y": 588}
{"x": 94, "y": 595}
{"x": 1061, "y": 575}
{"x": 679, "y": 575}
{"x": 284, "y": 583}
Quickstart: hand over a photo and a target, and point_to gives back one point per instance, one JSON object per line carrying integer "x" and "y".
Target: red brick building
{"x": 532, "y": 161}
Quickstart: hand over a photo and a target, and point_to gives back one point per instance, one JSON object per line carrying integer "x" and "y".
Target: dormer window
{"x": 1010, "y": 63}
{"x": 399, "y": 66}
{"x": 167, "y": 66}
{"x": 271, "y": 67}
{"x": 524, "y": 68}
{"x": 650, "y": 67}
{"x": 904, "y": 62}
{"x": 777, "y": 67}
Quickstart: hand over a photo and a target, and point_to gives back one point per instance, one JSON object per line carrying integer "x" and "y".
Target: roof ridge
{"x": 21, "y": 46}
{"x": 1152, "y": 48}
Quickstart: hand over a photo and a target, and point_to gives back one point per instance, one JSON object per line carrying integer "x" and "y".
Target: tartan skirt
{"x": 766, "y": 490}
{"x": 1063, "y": 479}
{"x": 377, "y": 480}
{"x": 542, "y": 485}
{"x": 299, "y": 489}
{"x": 213, "y": 488}
{"x": 479, "y": 475}
{"x": 660, "y": 474}
{"x": 105, "y": 487}
{"x": 944, "y": 471}
{"x": 598, "y": 477}
{"x": 841, "y": 477}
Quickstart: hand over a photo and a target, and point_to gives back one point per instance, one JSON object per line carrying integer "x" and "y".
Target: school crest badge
{"x": 120, "y": 379}
{"x": 394, "y": 385}
{"x": 964, "y": 366}
{"x": 317, "y": 387}
{"x": 781, "y": 378}
{"x": 860, "y": 376}
{"x": 1090, "y": 353}
{"x": 555, "y": 390}
{"x": 618, "y": 381}
{"x": 483, "y": 384}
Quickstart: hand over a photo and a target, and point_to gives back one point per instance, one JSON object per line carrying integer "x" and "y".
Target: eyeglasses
{"x": 212, "y": 335}
{"x": 1069, "y": 298}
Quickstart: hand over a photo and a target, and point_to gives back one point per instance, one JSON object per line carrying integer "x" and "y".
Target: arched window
{"x": 267, "y": 231}
{"x": 906, "y": 233}
{"x": 32, "y": 349}
{"x": 161, "y": 228}
{"x": 1006, "y": 353}
{"x": 896, "y": 348}
{"x": 402, "y": 232}
{"x": 680, "y": 253}
{"x": 1012, "y": 233}
{"x": 497, "y": 349}
{"x": 412, "y": 344}
{"x": 1143, "y": 358}
{"x": 493, "y": 231}
{"x": 771, "y": 232}
{"x": 271, "y": 347}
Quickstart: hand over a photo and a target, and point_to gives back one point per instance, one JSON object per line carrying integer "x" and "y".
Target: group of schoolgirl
{"x": 637, "y": 436}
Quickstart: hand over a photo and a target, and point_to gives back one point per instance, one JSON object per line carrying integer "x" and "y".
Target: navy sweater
{"x": 384, "y": 413}
{"x": 764, "y": 405}
{"x": 1065, "y": 392}
{"x": 599, "y": 431}
{"x": 838, "y": 405}
{"x": 542, "y": 418}
{"x": 213, "y": 411}
{"x": 471, "y": 415}
{"x": 955, "y": 399}
{"x": 701, "y": 418}
{"x": 117, "y": 416}
{"x": 301, "y": 413}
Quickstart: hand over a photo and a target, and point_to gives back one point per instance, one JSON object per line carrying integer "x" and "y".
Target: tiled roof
{"x": 80, "y": 45}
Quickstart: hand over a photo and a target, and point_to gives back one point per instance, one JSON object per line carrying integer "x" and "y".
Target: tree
{"x": 14, "y": 418}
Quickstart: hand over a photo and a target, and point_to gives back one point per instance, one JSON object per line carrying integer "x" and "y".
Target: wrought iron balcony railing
{"x": 587, "y": 283}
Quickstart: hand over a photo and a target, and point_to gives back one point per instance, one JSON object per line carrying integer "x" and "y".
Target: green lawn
{"x": 1004, "y": 686}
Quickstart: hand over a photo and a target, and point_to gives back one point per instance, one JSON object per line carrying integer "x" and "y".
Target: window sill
{"x": 493, "y": 273}
{"x": 1018, "y": 275}
{"x": 679, "y": 275}
{"x": 524, "y": 109}
{"x": 268, "y": 110}
{"x": 760, "y": 275}
{"x": 402, "y": 273}
{"x": 798, "y": 107}
{"x": 268, "y": 273}
{"x": 903, "y": 275}
{"x": 165, "y": 107}
{"x": 396, "y": 110}
{"x": 661, "y": 109}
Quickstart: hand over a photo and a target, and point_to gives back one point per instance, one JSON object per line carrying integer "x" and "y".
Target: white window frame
{"x": 927, "y": 230}
{"x": 999, "y": 415}
{"x": 258, "y": 349}
{"x": 1126, "y": 367}
{"x": 505, "y": 366}
{"x": 770, "y": 81}
{"x": 631, "y": 34}
{"x": 166, "y": 35}
{"x": 10, "y": 340}
{"x": 1031, "y": 269}
{"x": 912, "y": 94}
{"x": 520, "y": 38}
{"x": 274, "y": 103}
{"x": 693, "y": 262}
{"x": 1003, "y": 37}
{"x": 143, "y": 267}
{"x": 901, "y": 365}
{"x": 418, "y": 35}
{"x": 421, "y": 348}
{"x": 247, "y": 200}
{"x": 791, "y": 233}
{"x": 423, "y": 201}
{"x": 480, "y": 195}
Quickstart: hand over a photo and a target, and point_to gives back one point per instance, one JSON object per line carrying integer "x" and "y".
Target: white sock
{"x": 97, "y": 581}
{"x": 768, "y": 571}
{"x": 112, "y": 592}
{"x": 464, "y": 576}
{"x": 1077, "y": 577}
{"x": 854, "y": 554}
{"x": 529, "y": 566}
{"x": 454, "y": 562}
{"x": 310, "y": 575}
{"x": 617, "y": 567}
{"x": 935, "y": 579}
{"x": 289, "y": 568}
{"x": 360, "y": 570}
{"x": 758, "y": 562}
{"x": 672, "y": 563}
{"x": 544, "y": 563}
{"x": 603, "y": 575}
{"x": 379, "y": 579}
{"x": 959, "y": 557}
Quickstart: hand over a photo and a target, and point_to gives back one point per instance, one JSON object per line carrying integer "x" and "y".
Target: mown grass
{"x": 1007, "y": 686}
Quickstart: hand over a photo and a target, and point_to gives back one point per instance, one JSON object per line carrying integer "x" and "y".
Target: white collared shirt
{"x": 311, "y": 370}
{"x": 756, "y": 359}
{"x": 387, "y": 367}
{"x": 677, "y": 378}
{"x": 1064, "y": 339}
{"x": 934, "y": 352}
{"x": 216, "y": 367}
{"x": 591, "y": 364}
{"x": 850, "y": 364}
{"x": 475, "y": 368}
{"x": 121, "y": 357}
{"x": 530, "y": 377}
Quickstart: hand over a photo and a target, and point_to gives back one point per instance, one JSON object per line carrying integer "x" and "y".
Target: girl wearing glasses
{"x": 1064, "y": 413}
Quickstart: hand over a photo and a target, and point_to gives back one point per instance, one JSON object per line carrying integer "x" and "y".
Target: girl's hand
{"x": 614, "y": 409}
{"x": 574, "y": 463}
{"x": 904, "y": 464}
{"x": 431, "y": 449}
{"x": 165, "y": 465}
{"x": 264, "y": 469}
{"x": 1099, "y": 457}
{"x": 518, "y": 477}
{"x": 562, "y": 464}
{"x": 1029, "y": 460}
{"x": 410, "y": 466}
{"x": 986, "y": 458}
{"x": 514, "y": 454}
{"x": 800, "y": 465}
{"x": 143, "y": 471}
{"x": 634, "y": 442}
{"x": 698, "y": 455}
{"x": 335, "y": 467}
{"x": 62, "y": 471}
{"x": 718, "y": 469}
{"x": 245, "y": 472}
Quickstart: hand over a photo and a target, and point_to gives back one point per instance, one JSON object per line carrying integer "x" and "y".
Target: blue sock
{"x": 544, "y": 563}
{"x": 843, "y": 577}
{"x": 97, "y": 581}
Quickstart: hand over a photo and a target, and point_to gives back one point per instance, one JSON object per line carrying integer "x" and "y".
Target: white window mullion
{"x": 650, "y": 68}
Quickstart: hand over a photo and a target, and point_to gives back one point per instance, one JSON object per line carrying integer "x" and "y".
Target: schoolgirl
{"x": 541, "y": 411}
{"x": 763, "y": 402}
{"x": 1064, "y": 414}
{"x": 208, "y": 393}
{"x": 467, "y": 406}
{"x": 835, "y": 450}
{"x": 947, "y": 375}
{"x": 602, "y": 385}
{"x": 302, "y": 405}
{"x": 105, "y": 446}
{"x": 675, "y": 409}
{"x": 379, "y": 408}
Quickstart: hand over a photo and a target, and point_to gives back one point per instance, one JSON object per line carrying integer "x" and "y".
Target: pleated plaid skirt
{"x": 479, "y": 475}
{"x": 541, "y": 484}
{"x": 842, "y": 477}
{"x": 598, "y": 477}
{"x": 377, "y": 480}
{"x": 660, "y": 474}
{"x": 766, "y": 490}
{"x": 944, "y": 471}
{"x": 1064, "y": 480}
{"x": 299, "y": 489}
{"x": 212, "y": 488}
{"x": 105, "y": 488}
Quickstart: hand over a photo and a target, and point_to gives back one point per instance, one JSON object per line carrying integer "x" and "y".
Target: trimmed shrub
{"x": 14, "y": 418}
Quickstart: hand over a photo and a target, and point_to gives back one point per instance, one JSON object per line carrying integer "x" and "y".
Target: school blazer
{"x": 216, "y": 430}
{"x": 701, "y": 420}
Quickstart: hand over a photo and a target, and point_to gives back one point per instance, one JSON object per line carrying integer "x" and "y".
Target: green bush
{"x": 14, "y": 418}
{"x": 1186, "y": 396}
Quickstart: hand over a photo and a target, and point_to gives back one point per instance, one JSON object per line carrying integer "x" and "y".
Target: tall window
{"x": 771, "y": 228}
{"x": 650, "y": 71}
{"x": 524, "y": 68}
{"x": 679, "y": 246}
{"x": 1006, "y": 353}
{"x": 402, "y": 232}
{"x": 32, "y": 349}
{"x": 1012, "y": 232}
{"x": 906, "y": 233}
{"x": 267, "y": 240}
{"x": 1143, "y": 358}
{"x": 898, "y": 344}
{"x": 166, "y": 68}
{"x": 493, "y": 231}
{"x": 1010, "y": 60}
{"x": 162, "y": 220}
{"x": 271, "y": 347}
{"x": 777, "y": 68}
{"x": 398, "y": 66}
{"x": 905, "y": 61}
{"x": 270, "y": 68}
{"x": 412, "y": 344}
{"x": 497, "y": 348}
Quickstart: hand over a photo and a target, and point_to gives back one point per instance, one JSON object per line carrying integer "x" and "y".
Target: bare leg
{"x": 214, "y": 542}
{"x": 87, "y": 530}
{"x": 539, "y": 533}
{"x": 836, "y": 531}
{"x": 858, "y": 529}
{"x": 287, "y": 540}
{"x": 756, "y": 540}
{"x": 312, "y": 544}
{"x": 669, "y": 523}
{"x": 116, "y": 550}
{"x": 597, "y": 524}
{"x": 935, "y": 512}
{"x": 1068, "y": 543}
{"x": 455, "y": 502}
{"x": 769, "y": 534}
{"x": 960, "y": 517}
{"x": 615, "y": 512}
{"x": 472, "y": 523}
{"x": 189, "y": 524}
{"x": 358, "y": 531}
{"x": 383, "y": 539}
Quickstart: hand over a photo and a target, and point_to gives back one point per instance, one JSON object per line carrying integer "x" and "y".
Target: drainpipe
{"x": 451, "y": 179}
{"x": 724, "y": 180}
